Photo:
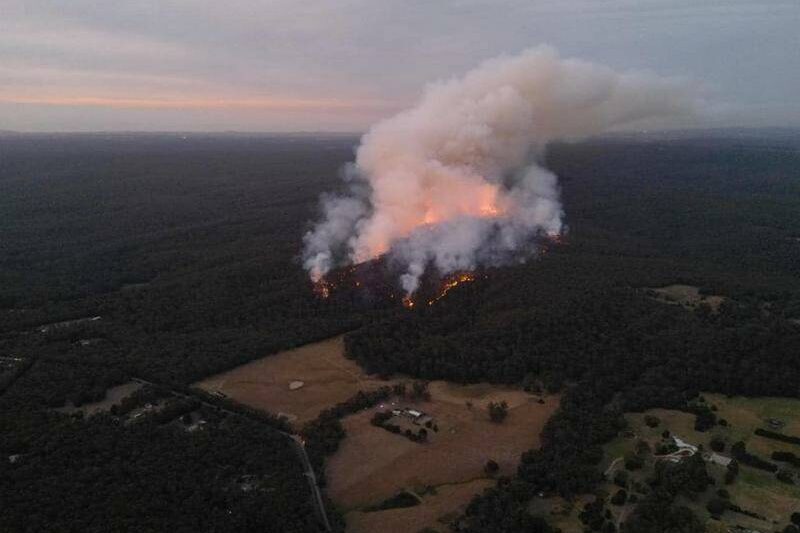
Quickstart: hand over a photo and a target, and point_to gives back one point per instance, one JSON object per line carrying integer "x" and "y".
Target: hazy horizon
{"x": 319, "y": 67}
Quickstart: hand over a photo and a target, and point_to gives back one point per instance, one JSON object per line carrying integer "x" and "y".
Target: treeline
{"x": 761, "y": 432}
{"x": 740, "y": 453}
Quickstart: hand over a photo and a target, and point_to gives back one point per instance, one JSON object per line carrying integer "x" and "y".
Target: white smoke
{"x": 453, "y": 182}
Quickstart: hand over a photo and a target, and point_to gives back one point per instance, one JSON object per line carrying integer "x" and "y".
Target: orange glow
{"x": 452, "y": 282}
{"x": 408, "y": 302}
{"x": 322, "y": 288}
{"x": 490, "y": 210}
{"x": 430, "y": 217}
{"x": 490, "y": 205}
{"x": 183, "y": 103}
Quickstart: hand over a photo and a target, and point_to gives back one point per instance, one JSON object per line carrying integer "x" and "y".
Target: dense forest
{"x": 169, "y": 259}
{"x": 185, "y": 248}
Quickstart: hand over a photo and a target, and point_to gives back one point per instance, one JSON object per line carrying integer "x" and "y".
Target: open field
{"x": 113, "y": 396}
{"x": 434, "y": 512}
{"x": 373, "y": 464}
{"x": 687, "y": 296}
{"x": 327, "y": 377}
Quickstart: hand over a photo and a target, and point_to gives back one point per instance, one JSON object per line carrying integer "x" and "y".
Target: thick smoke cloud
{"x": 455, "y": 182}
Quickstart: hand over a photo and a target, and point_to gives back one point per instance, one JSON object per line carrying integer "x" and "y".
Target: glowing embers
{"x": 450, "y": 283}
{"x": 374, "y": 281}
{"x": 323, "y": 288}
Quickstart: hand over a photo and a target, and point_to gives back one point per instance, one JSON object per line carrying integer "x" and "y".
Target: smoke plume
{"x": 455, "y": 182}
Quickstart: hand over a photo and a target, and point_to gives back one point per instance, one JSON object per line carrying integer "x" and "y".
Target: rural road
{"x": 319, "y": 505}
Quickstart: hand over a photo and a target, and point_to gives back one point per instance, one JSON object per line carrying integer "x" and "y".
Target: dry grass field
{"x": 327, "y": 376}
{"x": 434, "y": 512}
{"x": 373, "y": 464}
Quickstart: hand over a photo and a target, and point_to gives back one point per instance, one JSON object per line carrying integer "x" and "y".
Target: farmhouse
{"x": 416, "y": 416}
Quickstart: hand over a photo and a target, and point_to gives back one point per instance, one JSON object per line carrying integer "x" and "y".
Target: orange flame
{"x": 452, "y": 282}
{"x": 408, "y": 302}
{"x": 322, "y": 288}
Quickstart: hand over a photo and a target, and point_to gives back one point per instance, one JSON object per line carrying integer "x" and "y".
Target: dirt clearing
{"x": 326, "y": 376}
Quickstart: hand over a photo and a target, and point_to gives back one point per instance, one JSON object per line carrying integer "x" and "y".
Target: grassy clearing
{"x": 755, "y": 490}
{"x": 686, "y": 295}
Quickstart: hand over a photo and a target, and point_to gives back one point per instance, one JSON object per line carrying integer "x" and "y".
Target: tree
{"x": 620, "y": 497}
{"x": 642, "y": 448}
{"x": 785, "y": 476}
{"x": 731, "y": 472}
{"x": 717, "y": 443}
{"x": 498, "y": 411}
{"x": 705, "y": 419}
{"x": 717, "y": 506}
{"x": 633, "y": 461}
{"x": 621, "y": 478}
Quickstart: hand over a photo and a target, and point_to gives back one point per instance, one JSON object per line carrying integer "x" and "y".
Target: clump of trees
{"x": 652, "y": 421}
{"x": 381, "y": 419}
{"x": 498, "y": 411}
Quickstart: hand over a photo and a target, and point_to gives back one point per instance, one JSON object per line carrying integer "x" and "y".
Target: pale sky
{"x": 340, "y": 65}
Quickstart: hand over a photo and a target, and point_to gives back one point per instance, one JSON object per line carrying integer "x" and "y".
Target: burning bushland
{"x": 374, "y": 281}
{"x": 456, "y": 182}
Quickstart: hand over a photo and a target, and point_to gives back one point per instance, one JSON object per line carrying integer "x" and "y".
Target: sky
{"x": 342, "y": 65}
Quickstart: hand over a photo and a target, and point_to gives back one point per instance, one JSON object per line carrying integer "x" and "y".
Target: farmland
{"x": 373, "y": 465}
{"x": 753, "y": 490}
{"x": 297, "y": 383}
